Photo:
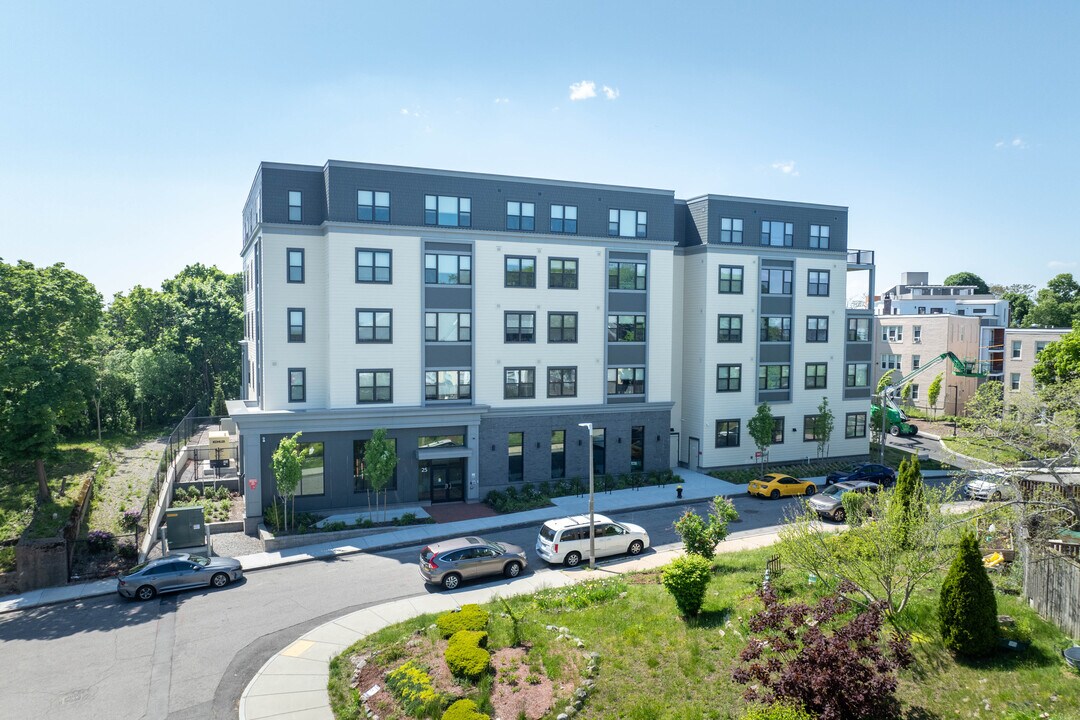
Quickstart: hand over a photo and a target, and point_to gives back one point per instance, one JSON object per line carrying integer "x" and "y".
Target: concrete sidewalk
{"x": 293, "y": 682}
{"x": 696, "y": 487}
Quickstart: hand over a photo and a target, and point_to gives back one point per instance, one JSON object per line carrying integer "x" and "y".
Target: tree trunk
{"x": 97, "y": 405}
{"x": 43, "y": 482}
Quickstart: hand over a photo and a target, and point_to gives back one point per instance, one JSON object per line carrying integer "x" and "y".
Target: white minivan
{"x": 566, "y": 540}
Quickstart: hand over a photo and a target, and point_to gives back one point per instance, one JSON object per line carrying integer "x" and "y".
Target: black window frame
{"x": 731, "y": 285}
{"x": 375, "y": 253}
{"x": 519, "y": 278}
{"x": 564, "y": 221}
{"x": 374, "y": 312}
{"x": 637, "y": 446}
{"x": 766, "y": 233}
{"x": 529, "y": 386}
{"x": 567, "y": 280}
{"x": 301, "y": 447}
{"x": 462, "y": 329}
{"x": 820, "y": 380}
{"x": 787, "y": 281}
{"x": 618, "y": 330}
{"x": 778, "y": 430}
{"x": 729, "y": 383}
{"x": 730, "y": 332}
{"x": 558, "y": 457}
{"x": 816, "y": 237}
{"x": 734, "y": 237}
{"x": 809, "y": 432}
{"x": 458, "y": 258}
{"x": 817, "y": 334}
{"x": 359, "y": 481}
{"x": 853, "y": 327}
{"x": 375, "y": 385}
{"x": 374, "y": 206}
{"x": 289, "y": 267}
{"x": 430, "y": 219}
{"x": 851, "y": 429}
{"x": 290, "y": 385}
{"x": 636, "y": 385}
{"x": 615, "y": 280}
{"x": 520, "y": 338}
{"x": 814, "y": 287}
{"x": 784, "y": 379}
{"x": 298, "y": 207}
{"x": 290, "y": 337}
{"x": 562, "y": 383}
{"x": 520, "y": 220}
{"x": 851, "y": 374}
{"x": 434, "y": 397}
{"x": 641, "y": 222}
{"x": 728, "y": 424}
{"x": 766, "y": 328}
{"x": 515, "y": 463}
{"x": 561, "y": 330}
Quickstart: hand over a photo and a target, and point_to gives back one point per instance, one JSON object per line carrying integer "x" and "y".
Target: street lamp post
{"x": 955, "y": 407}
{"x": 592, "y": 520}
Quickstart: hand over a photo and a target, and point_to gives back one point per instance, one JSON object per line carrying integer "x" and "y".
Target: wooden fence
{"x": 1052, "y": 586}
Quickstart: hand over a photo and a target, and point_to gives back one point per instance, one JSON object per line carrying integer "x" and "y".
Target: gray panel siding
{"x": 858, "y": 352}
{"x": 494, "y": 438}
{"x": 489, "y": 197}
{"x": 697, "y": 228}
{"x": 431, "y": 246}
{"x": 774, "y": 395}
{"x": 771, "y": 262}
{"x": 627, "y": 301}
{"x": 276, "y": 184}
{"x": 622, "y": 354}
{"x": 775, "y": 352}
{"x": 441, "y": 356}
{"x": 773, "y": 305}
{"x": 621, "y": 255}
{"x": 856, "y": 393}
{"x": 703, "y": 221}
{"x": 447, "y": 298}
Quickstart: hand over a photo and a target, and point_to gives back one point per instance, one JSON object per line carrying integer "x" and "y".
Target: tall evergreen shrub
{"x": 968, "y": 609}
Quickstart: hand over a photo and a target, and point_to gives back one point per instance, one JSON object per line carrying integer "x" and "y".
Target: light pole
{"x": 592, "y": 520}
{"x": 955, "y": 407}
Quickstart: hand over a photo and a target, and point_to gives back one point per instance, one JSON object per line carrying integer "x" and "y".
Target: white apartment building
{"x": 481, "y": 318}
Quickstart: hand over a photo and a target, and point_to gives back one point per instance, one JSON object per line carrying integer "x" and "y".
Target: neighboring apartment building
{"x": 1022, "y": 346}
{"x": 480, "y": 318}
{"x": 906, "y": 343}
{"x": 916, "y": 296}
{"x": 761, "y": 316}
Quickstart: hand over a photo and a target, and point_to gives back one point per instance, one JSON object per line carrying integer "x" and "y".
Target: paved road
{"x": 190, "y": 655}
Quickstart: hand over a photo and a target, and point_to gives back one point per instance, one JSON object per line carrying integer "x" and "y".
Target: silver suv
{"x": 828, "y": 503}
{"x": 449, "y": 562}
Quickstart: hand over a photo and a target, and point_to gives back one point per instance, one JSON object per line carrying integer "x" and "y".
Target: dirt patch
{"x": 126, "y": 488}
{"x": 521, "y": 691}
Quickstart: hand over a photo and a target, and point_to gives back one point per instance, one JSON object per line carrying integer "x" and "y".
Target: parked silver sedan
{"x": 177, "y": 572}
{"x": 828, "y": 504}
{"x": 449, "y": 562}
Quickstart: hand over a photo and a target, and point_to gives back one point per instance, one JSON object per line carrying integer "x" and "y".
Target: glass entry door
{"x": 446, "y": 478}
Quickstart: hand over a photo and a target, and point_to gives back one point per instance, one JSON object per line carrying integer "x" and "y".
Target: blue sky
{"x": 130, "y": 132}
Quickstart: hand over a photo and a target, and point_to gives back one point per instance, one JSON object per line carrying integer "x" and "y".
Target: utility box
{"x": 185, "y": 527}
{"x": 220, "y": 452}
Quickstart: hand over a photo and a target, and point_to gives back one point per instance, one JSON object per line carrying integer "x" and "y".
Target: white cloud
{"x": 787, "y": 168}
{"x": 501, "y": 101}
{"x": 1017, "y": 143}
{"x": 611, "y": 93}
{"x": 1058, "y": 264}
{"x": 404, "y": 111}
{"x": 583, "y": 90}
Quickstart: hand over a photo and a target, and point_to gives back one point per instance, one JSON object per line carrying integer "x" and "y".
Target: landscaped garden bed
{"x": 529, "y": 496}
{"x": 652, "y": 663}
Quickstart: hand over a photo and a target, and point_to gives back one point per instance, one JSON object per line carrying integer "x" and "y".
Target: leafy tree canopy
{"x": 968, "y": 278}
{"x": 1059, "y": 361}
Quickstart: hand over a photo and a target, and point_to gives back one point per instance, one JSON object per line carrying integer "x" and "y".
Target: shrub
{"x": 464, "y": 710}
{"x": 100, "y": 541}
{"x": 469, "y": 617}
{"x": 272, "y": 516}
{"x": 129, "y": 520}
{"x": 687, "y": 578}
{"x": 466, "y": 655}
{"x": 778, "y": 711}
{"x": 856, "y": 507}
{"x": 180, "y": 495}
{"x": 700, "y": 538}
{"x": 793, "y": 642}
{"x": 968, "y": 609}
{"x": 580, "y": 595}
{"x": 335, "y": 526}
{"x": 405, "y": 519}
{"x": 412, "y": 686}
{"x": 127, "y": 550}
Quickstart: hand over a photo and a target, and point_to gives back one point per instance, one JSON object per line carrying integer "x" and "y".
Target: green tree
{"x": 160, "y": 390}
{"x": 286, "y": 464}
{"x": 380, "y": 459}
{"x": 1020, "y": 306}
{"x": 987, "y": 400}
{"x": 885, "y": 381}
{"x": 1059, "y": 362}
{"x": 934, "y": 391}
{"x": 1057, "y": 304}
{"x": 905, "y": 393}
{"x": 761, "y": 428}
{"x": 700, "y": 538}
{"x": 908, "y": 501}
{"x": 968, "y": 278}
{"x": 824, "y": 422}
{"x": 687, "y": 578}
{"x": 46, "y": 378}
{"x": 968, "y": 609}
{"x": 217, "y": 405}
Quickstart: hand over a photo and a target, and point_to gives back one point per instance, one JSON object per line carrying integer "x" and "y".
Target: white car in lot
{"x": 985, "y": 490}
{"x": 566, "y": 540}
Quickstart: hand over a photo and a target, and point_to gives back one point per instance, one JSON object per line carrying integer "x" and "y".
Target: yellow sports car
{"x": 774, "y": 485}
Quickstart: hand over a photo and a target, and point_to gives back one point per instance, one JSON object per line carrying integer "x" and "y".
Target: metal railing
{"x": 860, "y": 257}
{"x": 178, "y": 438}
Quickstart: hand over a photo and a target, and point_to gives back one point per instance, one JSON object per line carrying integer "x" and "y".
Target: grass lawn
{"x": 982, "y": 449}
{"x": 656, "y": 666}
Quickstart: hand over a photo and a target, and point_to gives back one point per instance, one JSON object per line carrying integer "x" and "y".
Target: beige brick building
{"x": 1021, "y": 348}
{"x": 907, "y": 343}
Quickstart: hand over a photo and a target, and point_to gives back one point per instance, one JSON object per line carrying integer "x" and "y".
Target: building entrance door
{"x": 446, "y": 478}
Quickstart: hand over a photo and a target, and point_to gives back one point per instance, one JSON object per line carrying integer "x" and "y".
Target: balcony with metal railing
{"x": 860, "y": 258}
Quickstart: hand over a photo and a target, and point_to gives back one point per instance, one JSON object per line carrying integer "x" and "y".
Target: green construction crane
{"x": 897, "y": 419}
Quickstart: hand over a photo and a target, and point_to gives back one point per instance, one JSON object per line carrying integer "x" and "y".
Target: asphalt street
{"x": 189, "y": 655}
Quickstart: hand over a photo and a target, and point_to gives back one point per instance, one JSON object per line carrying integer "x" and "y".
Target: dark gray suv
{"x": 449, "y": 562}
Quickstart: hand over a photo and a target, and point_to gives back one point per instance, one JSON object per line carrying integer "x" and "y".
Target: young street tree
{"x": 761, "y": 428}
{"x": 287, "y": 466}
{"x": 380, "y": 459}
{"x": 823, "y": 427}
{"x": 934, "y": 391}
{"x": 701, "y": 538}
{"x": 46, "y": 378}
